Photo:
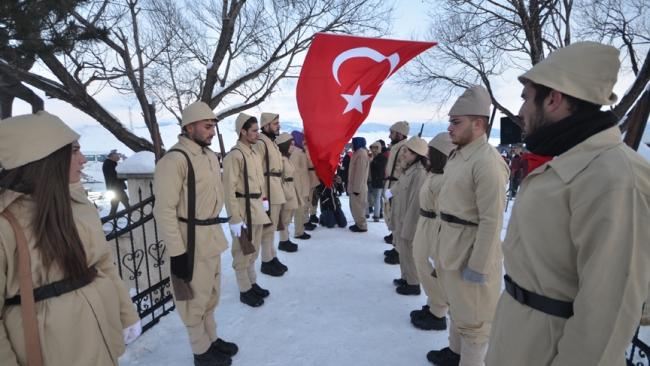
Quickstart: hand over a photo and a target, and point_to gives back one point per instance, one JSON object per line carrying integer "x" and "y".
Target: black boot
{"x": 399, "y": 282}
{"x": 313, "y": 219}
{"x": 304, "y": 236}
{"x": 420, "y": 312}
{"x": 389, "y": 238}
{"x": 391, "y": 253}
{"x": 224, "y": 347}
{"x": 250, "y": 298}
{"x": 356, "y": 229}
{"x": 444, "y": 357}
{"x": 428, "y": 321}
{"x": 392, "y": 259}
{"x": 309, "y": 226}
{"x": 277, "y": 262}
{"x": 288, "y": 246}
{"x": 212, "y": 357}
{"x": 260, "y": 291}
{"x": 408, "y": 289}
{"x": 268, "y": 268}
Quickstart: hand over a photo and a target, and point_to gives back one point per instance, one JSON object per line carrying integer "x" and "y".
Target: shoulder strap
{"x": 249, "y": 228}
{"x": 268, "y": 177}
{"x": 30, "y": 324}
{"x": 191, "y": 213}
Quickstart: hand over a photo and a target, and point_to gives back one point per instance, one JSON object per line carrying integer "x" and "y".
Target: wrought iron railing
{"x": 140, "y": 258}
{"x": 637, "y": 354}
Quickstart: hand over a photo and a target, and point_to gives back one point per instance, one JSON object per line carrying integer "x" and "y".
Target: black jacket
{"x": 328, "y": 199}
{"x": 110, "y": 176}
{"x": 377, "y": 167}
{"x": 346, "y": 164}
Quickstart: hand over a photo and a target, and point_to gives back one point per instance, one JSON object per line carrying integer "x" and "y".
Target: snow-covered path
{"x": 335, "y": 306}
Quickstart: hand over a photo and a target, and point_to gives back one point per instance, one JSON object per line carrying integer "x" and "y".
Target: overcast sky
{"x": 393, "y": 103}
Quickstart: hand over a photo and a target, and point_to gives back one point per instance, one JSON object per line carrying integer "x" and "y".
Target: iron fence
{"x": 140, "y": 257}
{"x": 637, "y": 354}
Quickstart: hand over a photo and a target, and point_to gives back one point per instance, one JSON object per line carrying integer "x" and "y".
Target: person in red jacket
{"x": 517, "y": 166}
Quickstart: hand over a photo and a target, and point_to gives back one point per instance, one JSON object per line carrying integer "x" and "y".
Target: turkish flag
{"x": 340, "y": 78}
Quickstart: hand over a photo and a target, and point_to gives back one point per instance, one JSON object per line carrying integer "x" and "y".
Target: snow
{"x": 143, "y": 162}
{"x": 209, "y": 65}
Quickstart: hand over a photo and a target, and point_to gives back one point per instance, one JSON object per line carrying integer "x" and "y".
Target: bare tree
{"x": 480, "y": 40}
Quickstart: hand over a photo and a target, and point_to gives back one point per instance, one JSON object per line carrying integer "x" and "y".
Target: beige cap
{"x": 442, "y": 142}
{"x": 30, "y": 137}
{"x": 284, "y": 137}
{"x": 401, "y": 127}
{"x": 195, "y": 112}
{"x": 583, "y": 70}
{"x": 475, "y": 101}
{"x": 376, "y": 144}
{"x": 267, "y": 118}
{"x": 241, "y": 119}
{"x": 417, "y": 145}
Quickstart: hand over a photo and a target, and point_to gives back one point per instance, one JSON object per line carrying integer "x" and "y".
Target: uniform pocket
{"x": 455, "y": 244}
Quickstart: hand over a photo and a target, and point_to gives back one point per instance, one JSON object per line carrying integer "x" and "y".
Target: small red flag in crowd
{"x": 340, "y": 78}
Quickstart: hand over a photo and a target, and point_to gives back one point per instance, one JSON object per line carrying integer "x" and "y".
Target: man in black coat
{"x": 113, "y": 183}
{"x": 377, "y": 167}
{"x": 330, "y": 206}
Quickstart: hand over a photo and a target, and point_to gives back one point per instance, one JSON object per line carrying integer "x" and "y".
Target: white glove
{"x": 132, "y": 332}
{"x": 388, "y": 194}
{"x": 265, "y": 204}
{"x": 236, "y": 228}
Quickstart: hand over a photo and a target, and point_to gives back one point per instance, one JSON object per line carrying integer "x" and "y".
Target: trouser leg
{"x": 376, "y": 202}
{"x": 430, "y": 284}
{"x": 252, "y": 275}
{"x": 286, "y": 216}
{"x": 328, "y": 218}
{"x": 298, "y": 219}
{"x": 241, "y": 262}
{"x": 472, "y": 354}
{"x": 455, "y": 340}
{"x": 357, "y": 204}
{"x": 314, "y": 202}
{"x": 406, "y": 260}
{"x": 268, "y": 234}
{"x": 341, "y": 220}
{"x": 397, "y": 242}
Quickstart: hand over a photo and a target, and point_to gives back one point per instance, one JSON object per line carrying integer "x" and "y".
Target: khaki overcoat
{"x": 406, "y": 207}
{"x": 82, "y": 327}
{"x": 579, "y": 232}
{"x": 233, "y": 182}
{"x": 170, "y": 188}
{"x": 474, "y": 190}
{"x": 301, "y": 178}
{"x": 311, "y": 171}
{"x": 394, "y": 159}
{"x": 358, "y": 175}
{"x": 264, "y": 144}
{"x": 289, "y": 187}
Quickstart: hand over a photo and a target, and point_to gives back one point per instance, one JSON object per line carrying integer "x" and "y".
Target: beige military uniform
{"x": 394, "y": 159}
{"x": 424, "y": 242}
{"x": 302, "y": 184}
{"x": 290, "y": 194}
{"x": 404, "y": 213}
{"x": 579, "y": 232}
{"x": 358, "y": 183}
{"x": 276, "y": 198}
{"x": 81, "y": 327}
{"x": 233, "y": 183}
{"x": 313, "y": 183}
{"x": 170, "y": 189}
{"x": 473, "y": 189}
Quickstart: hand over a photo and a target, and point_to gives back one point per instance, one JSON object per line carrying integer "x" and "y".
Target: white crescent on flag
{"x": 364, "y": 52}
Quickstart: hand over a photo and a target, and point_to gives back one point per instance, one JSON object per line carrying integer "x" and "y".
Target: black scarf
{"x": 560, "y": 137}
{"x": 269, "y": 135}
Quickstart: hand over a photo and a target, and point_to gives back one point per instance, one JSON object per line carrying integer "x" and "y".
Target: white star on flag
{"x": 355, "y": 101}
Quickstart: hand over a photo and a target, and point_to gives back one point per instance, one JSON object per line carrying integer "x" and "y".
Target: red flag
{"x": 339, "y": 80}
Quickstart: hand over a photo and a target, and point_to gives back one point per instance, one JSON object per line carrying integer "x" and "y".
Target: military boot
{"x": 268, "y": 268}
{"x": 212, "y": 357}
{"x": 227, "y": 348}
{"x": 392, "y": 259}
{"x": 251, "y": 298}
{"x": 420, "y": 312}
{"x": 399, "y": 282}
{"x": 309, "y": 226}
{"x": 391, "y": 253}
{"x": 313, "y": 219}
{"x": 260, "y": 291}
{"x": 408, "y": 289}
{"x": 389, "y": 238}
{"x": 304, "y": 236}
{"x": 444, "y": 357}
{"x": 288, "y": 246}
{"x": 428, "y": 321}
{"x": 277, "y": 262}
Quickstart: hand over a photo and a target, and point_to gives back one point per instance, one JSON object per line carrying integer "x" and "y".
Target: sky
{"x": 393, "y": 103}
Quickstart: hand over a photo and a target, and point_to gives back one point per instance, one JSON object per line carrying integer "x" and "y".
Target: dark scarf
{"x": 284, "y": 148}
{"x": 270, "y": 136}
{"x": 560, "y": 137}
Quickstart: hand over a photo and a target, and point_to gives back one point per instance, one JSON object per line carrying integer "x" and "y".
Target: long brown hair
{"x": 57, "y": 238}
{"x": 437, "y": 161}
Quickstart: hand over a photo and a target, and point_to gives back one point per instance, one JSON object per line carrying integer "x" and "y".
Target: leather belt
{"x": 392, "y": 179}
{"x": 252, "y": 195}
{"x": 429, "y": 214}
{"x": 562, "y": 309}
{"x": 207, "y": 222}
{"x": 288, "y": 179}
{"x": 455, "y": 220}
{"x": 53, "y": 289}
{"x": 311, "y": 169}
{"x": 273, "y": 174}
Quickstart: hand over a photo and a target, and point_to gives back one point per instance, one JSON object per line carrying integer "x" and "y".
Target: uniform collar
{"x": 574, "y": 161}
{"x": 191, "y": 146}
{"x": 245, "y": 149}
{"x": 468, "y": 150}
{"x": 266, "y": 139}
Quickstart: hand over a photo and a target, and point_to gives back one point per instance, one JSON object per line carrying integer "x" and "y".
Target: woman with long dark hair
{"x": 405, "y": 210}
{"x": 82, "y": 311}
{"x": 432, "y": 315}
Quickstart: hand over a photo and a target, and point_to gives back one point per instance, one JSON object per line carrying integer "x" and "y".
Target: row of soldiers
{"x": 576, "y": 248}
{"x": 268, "y": 180}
